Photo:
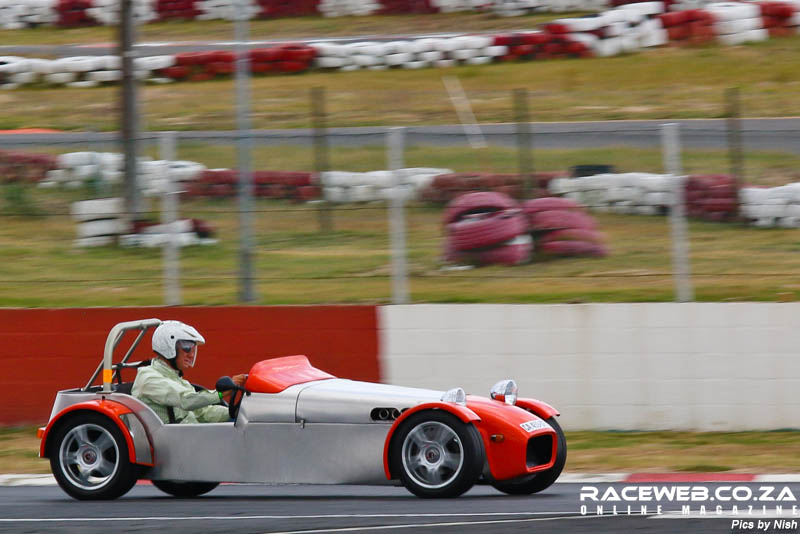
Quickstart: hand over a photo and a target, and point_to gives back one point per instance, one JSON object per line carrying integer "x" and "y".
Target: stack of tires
{"x": 176, "y": 9}
{"x": 712, "y": 197}
{"x": 446, "y": 187}
{"x": 560, "y": 227}
{"x": 486, "y": 228}
{"x": 287, "y": 8}
{"x": 25, "y": 167}
{"x": 222, "y": 183}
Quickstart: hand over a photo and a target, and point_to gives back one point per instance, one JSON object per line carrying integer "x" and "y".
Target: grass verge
{"x": 668, "y": 83}
{"x": 750, "y": 452}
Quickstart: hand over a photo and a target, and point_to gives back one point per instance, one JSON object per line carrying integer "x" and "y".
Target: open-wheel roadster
{"x": 293, "y": 423}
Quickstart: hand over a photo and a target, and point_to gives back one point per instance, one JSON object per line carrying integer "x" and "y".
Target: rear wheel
{"x": 436, "y": 455}
{"x": 544, "y": 479}
{"x": 89, "y": 458}
{"x": 184, "y": 489}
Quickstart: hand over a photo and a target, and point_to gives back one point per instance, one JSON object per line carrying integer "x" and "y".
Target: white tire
{"x": 84, "y": 84}
{"x": 101, "y": 208}
{"x": 398, "y": 47}
{"x": 464, "y": 53}
{"x": 495, "y": 51}
{"x": 398, "y": 59}
{"x": 479, "y": 60}
{"x": 102, "y": 227}
{"x": 23, "y": 78}
{"x": 366, "y": 60}
{"x": 733, "y": 10}
{"x": 433, "y": 55}
{"x": 331, "y": 62}
{"x": 60, "y": 77}
{"x": 154, "y": 62}
{"x": 102, "y": 76}
{"x": 445, "y": 63}
{"x": 40, "y": 66}
{"x": 111, "y": 62}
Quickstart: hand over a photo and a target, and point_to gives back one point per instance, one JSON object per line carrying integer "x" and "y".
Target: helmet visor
{"x": 187, "y": 352}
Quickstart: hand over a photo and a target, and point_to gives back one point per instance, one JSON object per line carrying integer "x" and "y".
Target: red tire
{"x": 485, "y": 230}
{"x": 548, "y": 204}
{"x": 562, "y": 220}
{"x": 514, "y": 252}
{"x": 484, "y": 201}
{"x": 572, "y": 248}
{"x": 291, "y": 66}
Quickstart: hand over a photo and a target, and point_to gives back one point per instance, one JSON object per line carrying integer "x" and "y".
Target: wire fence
{"x": 742, "y": 242}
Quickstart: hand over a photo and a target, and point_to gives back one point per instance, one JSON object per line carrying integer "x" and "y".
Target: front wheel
{"x": 544, "y": 479}
{"x": 89, "y": 458}
{"x": 436, "y": 455}
{"x": 184, "y": 489}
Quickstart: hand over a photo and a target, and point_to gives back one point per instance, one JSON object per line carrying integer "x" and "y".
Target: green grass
{"x": 296, "y": 264}
{"x": 284, "y": 28}
{"x": 751, "y": 452}
{"x": 668, "y": 83}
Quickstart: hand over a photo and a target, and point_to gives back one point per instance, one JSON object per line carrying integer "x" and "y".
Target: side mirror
{"x": 225, "y": 383}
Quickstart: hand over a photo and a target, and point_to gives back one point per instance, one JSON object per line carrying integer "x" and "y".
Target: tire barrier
{"x": 629, "y": 193}
{"x": 343, "y": 187}
{"x": 771, "y": 207}
{"x": 712, "y": 197}
{"x": 446, "y": 187}
{"x": 23, "y": 167}
{"x": 561, "y": 228}
{"x": 103, "y": 222}
{"x": 104, "y": 169}
{"x": 625, "y": 29}
{"x": 221, "y": 183}
{"x": 488, "y": 228}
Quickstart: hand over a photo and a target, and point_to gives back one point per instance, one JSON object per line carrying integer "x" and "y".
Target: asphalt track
{"x": 757, "y": 134}
{"x": 299, "y": 509}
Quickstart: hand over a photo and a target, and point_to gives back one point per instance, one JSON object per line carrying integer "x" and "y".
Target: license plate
{"x": 536, "y": 424}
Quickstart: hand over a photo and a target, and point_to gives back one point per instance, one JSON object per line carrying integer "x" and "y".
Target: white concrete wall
{"x": 697, "y": 366}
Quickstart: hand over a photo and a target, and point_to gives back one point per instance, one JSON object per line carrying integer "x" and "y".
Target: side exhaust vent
{"x": 384, "y": 414}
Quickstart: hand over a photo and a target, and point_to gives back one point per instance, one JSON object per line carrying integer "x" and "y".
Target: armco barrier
{"x": 654, "y": 366}
{"x": 45, "y": 350}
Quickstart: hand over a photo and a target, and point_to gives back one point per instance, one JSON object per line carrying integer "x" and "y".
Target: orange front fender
{"x": 464, "y": 414}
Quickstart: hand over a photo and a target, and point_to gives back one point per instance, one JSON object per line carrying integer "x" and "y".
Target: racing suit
{"x": 159, "y": 386}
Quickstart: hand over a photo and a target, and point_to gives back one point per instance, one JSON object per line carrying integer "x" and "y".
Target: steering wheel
{"x": 226, "y": 383}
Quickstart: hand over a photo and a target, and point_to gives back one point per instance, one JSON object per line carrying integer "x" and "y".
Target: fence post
{"x": 395, "y": 146}
{"x": 524, "y": 140}
{"x": 681, "y": 276}
{"x": 321, "y": 165}
{"x": 169, "y": 214}
{"x": 735, "y": 156}
{"x": 247, "y": 291}
{"x": 129, "y": 128}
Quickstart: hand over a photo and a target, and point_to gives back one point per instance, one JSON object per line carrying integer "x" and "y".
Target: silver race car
{"x": 293, "y": 423}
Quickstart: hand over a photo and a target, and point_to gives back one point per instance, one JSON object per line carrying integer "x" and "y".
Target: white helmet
{"x": 169, "y": 333}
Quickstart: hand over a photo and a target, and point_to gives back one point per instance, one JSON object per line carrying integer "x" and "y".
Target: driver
{"x": 161, "y": 384}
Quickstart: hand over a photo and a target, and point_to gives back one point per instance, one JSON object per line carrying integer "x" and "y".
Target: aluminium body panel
{"x": 350, "y": 401}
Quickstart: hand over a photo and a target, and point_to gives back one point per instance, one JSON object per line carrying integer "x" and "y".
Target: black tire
{"x": 89, "y": 458}
{"x": 185, "y": 489}
{"x": 439, "y": 440}
{"x": 542, "y": 480}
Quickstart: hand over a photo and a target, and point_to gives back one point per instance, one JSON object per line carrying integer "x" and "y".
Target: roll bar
{"x": 113, "y": 339}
